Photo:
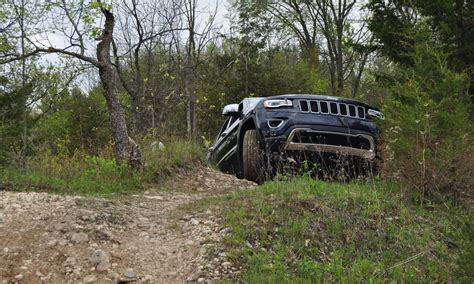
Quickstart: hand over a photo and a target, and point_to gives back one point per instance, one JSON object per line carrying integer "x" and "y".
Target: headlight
{"x": 277, "y": 103}
{"x": 376, "y": 113}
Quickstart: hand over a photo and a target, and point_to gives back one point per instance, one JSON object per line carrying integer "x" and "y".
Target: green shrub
{"x": 77, "y": 122}
{"x": 428, "y": 132}
{"x": 176, "y": 154}
{"x": 81, "y": 173}
{"x": 76, "y": 174}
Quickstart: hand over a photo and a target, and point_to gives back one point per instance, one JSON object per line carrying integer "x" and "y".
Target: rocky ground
{"x": 140, "y": 238}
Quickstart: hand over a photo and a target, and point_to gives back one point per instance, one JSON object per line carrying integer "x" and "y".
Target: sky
{"x": 221, "y": 20}
{"x": 59, "y": 41}
{"x": 221, "y": 12}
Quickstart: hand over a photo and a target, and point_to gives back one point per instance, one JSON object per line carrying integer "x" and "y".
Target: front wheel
{"x": 253, "y": 165}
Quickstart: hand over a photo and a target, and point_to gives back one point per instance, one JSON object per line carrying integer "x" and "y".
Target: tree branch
{"x": 53, "y": 50}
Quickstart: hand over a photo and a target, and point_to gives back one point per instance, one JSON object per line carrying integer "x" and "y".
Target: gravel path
{"x": 141, "y": 238}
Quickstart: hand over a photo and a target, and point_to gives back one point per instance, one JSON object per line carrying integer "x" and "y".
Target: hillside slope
{"x": 306, "y": 231}
{"x": 207, "y": 226}
{"x": 142, "y": 237}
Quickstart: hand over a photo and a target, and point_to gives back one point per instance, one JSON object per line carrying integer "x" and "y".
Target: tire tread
{"x": 251, "y": 156}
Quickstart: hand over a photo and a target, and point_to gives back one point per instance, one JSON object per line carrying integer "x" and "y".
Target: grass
{"x": 98, "y": 175}
{"x": 77, "y": 174}
{"x": 175, "y": 154}
{"x": 311, "y": 231}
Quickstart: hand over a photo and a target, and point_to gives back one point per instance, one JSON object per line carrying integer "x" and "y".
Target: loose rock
{"x": 130, "y": 273}
{"x": 79, "y": 238}
{"x": 100, "y": 260}
{"x": 194, "y": 276}
{"x": 114, "y": 276}
{"x": 53, "y": 243}
{"x": 154, "y": 197}
{"x": 70, "y": 261}
{"x": 90, "y": 279}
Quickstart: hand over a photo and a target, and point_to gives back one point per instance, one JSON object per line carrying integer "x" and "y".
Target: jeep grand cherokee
{"x": 261, "y": 132}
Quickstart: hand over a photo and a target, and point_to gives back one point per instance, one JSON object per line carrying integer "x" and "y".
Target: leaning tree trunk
{"x": 126, "y": 150}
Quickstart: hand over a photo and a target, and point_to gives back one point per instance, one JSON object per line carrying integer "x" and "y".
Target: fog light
{"x": 376, "y": 113}
{"x": 275, "y": 123}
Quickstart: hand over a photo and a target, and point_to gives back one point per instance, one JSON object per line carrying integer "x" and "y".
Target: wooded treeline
{"x": 82, "y": 75}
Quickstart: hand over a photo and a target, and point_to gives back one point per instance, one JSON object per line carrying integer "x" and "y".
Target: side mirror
{"x": 231, "y": 110}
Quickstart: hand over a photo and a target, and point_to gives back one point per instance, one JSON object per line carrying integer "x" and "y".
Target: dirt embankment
{"x": 144, "y": 237}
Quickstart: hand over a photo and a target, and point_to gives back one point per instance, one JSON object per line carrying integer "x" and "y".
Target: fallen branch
{"x": 410, "y": 259}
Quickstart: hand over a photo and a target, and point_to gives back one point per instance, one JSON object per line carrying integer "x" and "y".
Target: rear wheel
{"x": 252, "y": 157}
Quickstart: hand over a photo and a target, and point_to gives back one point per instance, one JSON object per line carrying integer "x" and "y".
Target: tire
{"x": 364, "y": 168}
{"x": 252, "y": 157}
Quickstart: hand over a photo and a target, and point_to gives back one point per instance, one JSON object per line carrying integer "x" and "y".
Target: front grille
{"x": 334, "y": 108}
{"x": 307, "y": 137}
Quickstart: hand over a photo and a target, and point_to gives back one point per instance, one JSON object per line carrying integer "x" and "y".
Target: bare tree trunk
{"x": 24, "y": 134}
{"x": 187, "y": 93}
{"x": 193, "y": 111}
{"x": 189, "y": 66}
{"x": 190, "y": 101}
{"x": 313, "y": 51}
{"x": 339, "y": 55}
{"x": 359, "y": 75}
{"x": 126, "y": 150}
{"x": 246, "y": 85}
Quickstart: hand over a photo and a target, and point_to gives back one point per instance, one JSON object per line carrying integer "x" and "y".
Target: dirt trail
{"x": 144, "y": 237}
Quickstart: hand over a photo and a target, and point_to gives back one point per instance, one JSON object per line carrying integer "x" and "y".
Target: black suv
{"x": 261, "y": 134}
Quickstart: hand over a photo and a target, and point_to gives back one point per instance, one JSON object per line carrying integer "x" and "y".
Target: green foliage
{"x": 391, "y": 26}
{"x": 450, "y": 21}
{"x": 11, "y": 117}
{"x": 19, "y": 106}
{"x": 308, "y": 231}
{"x": 252, "y": 21}
{"x": 76, "y": 174}
{"x": 176, "y": 154}
{"x": 428, "y": 131}
{"x": 74, "y": 121}
{"x": 81, "y": 173}
{"x": 453, "y": 21}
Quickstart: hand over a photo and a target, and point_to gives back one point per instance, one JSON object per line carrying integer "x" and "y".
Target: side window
{"x": 232, "y": 120}
{"x": 228, "y": 122}
{"x": 224, "y": 126}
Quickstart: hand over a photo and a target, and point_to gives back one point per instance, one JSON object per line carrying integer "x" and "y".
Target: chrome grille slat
{"x": 332, "y": 108}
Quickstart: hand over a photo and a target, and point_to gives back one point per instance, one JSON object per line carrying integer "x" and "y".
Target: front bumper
{"x": 292, "y": 144}
{"x": 340, "y": 143}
